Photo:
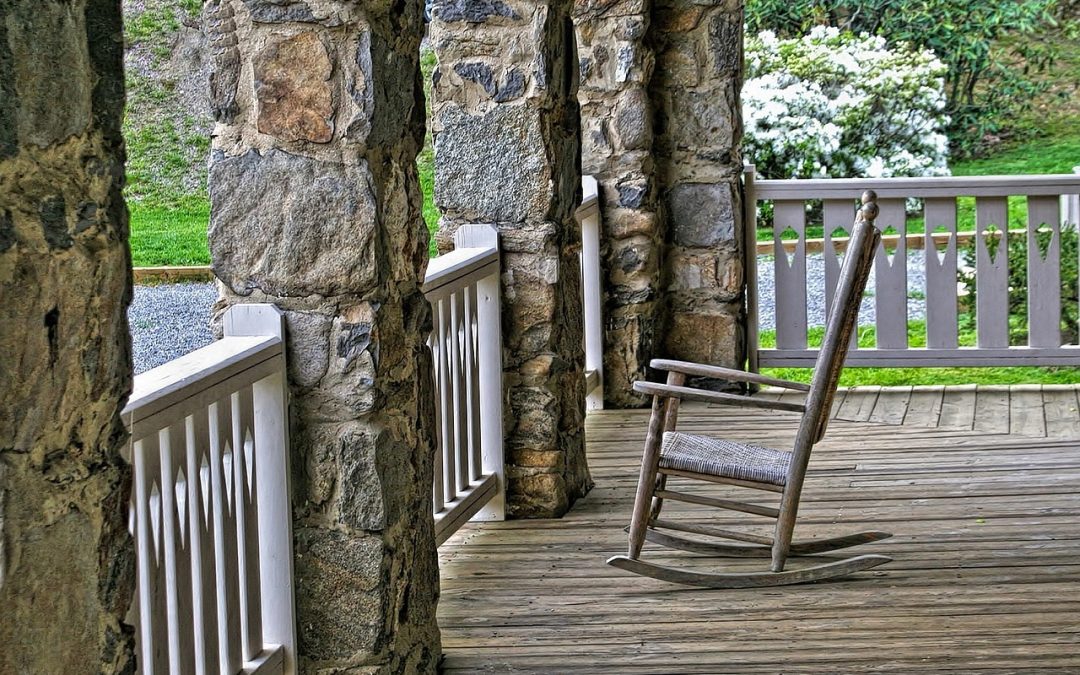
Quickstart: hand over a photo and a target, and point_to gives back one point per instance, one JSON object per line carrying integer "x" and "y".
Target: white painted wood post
{"x": 274, "y": 492}
{"x": 592, "y": 296}
{"x": 750, "y": 263}
{"x": 489, "y": 354}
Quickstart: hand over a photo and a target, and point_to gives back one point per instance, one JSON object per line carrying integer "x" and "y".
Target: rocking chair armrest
{"x": 701, "y": 370}
{"x": 692, "y": 394}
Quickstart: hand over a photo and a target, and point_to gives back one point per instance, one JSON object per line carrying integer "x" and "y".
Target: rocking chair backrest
{"x": 838, "y": 333}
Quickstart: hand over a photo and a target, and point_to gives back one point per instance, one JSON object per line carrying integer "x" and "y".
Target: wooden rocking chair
{"x": 672, "y": 453}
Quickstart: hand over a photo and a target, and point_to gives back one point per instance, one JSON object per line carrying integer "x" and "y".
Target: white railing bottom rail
{"x": 466, "y": 345}
{"x": 210, "y": 513}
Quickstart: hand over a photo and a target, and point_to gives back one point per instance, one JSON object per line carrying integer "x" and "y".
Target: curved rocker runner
{"x": 671, "y": 453}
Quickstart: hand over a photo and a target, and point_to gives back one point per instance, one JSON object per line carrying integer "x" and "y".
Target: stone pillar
{"x": 507, "y": 152}
{"x": 315, "y": 206}
{"x": 699, "y": 130}
{"x": 67, "y": 566}
{"x": 617, "y": 146}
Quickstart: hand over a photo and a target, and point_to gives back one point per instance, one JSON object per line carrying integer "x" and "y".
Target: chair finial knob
{"x": 869, "y": 211}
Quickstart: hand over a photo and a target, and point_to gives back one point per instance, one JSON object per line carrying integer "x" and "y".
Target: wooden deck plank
{"x": 1026, "y": 415}
{"x": 1062, "y": 412}
{"x": 991, "y": 409}
{"x": 986, "y": 558}
{"x": 891, "y": 405}
{"x": 958, "y": 407}
{"x": 924, "y": 406}
{"x": 859, "y": 404}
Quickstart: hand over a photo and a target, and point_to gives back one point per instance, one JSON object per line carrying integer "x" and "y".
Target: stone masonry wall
{"x": 315, "y": 206}
{"x": 507, "y": 152}
{"x": 617, "y": 146}
{"x": 695, "y": 91}
{"x": 67, "y": 564}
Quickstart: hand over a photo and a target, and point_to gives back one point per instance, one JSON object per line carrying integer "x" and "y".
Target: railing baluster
{"x": 837, "y": 214}
{"x": 460, "y": 392}
{"x": 790, "y": 275}
{"x": 992, "y": 271}
{"x": 438, "y": 493}
{"x": 247, "y": 521}
{"x": 472, "y": 385}
{"x": 446, "y": 393}
{"x": 177, "y": 523}
{"x": 890, "y": 278}
{"x": 942, "y": 330}
{"x": 222, "y": 478}
{"x": 1044, "y": 273}
{"x": 153, "y": 605}
{"x": 203, "y": 571}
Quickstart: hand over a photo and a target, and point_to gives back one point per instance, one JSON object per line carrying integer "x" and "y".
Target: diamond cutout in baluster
{"x": 1044, "y": 235}
{"x": 992, "y": 237}
{"x": 154, "y": 508}
{"x": 181, "y": 506}
{"x": 788, "y": 234}
{"x": 890, "y": 242}
{"x": 941, "y": 244}
{"x": 227, "y": 473}
{"x": 837, "y": 247}
{"x": 249, "y": 460}
{"x": 204, "y": 485}
{"x": 131, "y": 514}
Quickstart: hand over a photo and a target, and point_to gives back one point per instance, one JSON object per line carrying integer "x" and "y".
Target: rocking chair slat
{"x": 692, "y": 394}
{"x": 672, "y": 453}
{"x": 729, "y": 504}
{"x": 712, "y": 532}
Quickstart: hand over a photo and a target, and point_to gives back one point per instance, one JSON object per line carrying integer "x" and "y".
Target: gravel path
{"x": 170, "y": 320}
{"x": 815, "y": 291}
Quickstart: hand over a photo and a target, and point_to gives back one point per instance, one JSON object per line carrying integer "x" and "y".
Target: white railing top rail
{"x": 935, "y": 186}
{"x": 185, "y": 384}
{"x": 459, "y": 268}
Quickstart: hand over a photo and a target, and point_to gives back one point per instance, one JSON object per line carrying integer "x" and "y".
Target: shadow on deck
{"x": 986, "y": 570}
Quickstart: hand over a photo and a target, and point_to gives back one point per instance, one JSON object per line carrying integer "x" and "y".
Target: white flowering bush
{"x": 835, "y": 104}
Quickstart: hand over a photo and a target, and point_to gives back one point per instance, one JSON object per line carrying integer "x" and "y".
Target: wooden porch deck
{"x": 985, "y": 577}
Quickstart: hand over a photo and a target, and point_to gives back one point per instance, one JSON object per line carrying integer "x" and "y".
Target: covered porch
{"x": 986, "y": 539}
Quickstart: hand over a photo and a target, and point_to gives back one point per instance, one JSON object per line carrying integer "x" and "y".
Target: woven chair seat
{"x": 718, "y": 457}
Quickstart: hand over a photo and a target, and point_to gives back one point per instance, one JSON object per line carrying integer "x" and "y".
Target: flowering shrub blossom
{"x": 833, "y": 104}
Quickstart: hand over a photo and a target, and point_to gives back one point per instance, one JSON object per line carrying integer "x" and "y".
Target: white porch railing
{"x": 211, "y": 514}
{"x": 588, "y": 216}
{"x": 1049, "y": 200}
{"x": 466, "y": 344}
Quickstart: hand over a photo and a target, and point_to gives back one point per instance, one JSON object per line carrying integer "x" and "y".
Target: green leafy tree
{"x": 990, "y": 78}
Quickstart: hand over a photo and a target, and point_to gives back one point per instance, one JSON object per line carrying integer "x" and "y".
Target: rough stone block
{"x": 702, "y": 214}
{"x": 342, "y": 599}
{"x": 506, "y": 178}
{"x": 276, "y": 225}
{"x": 632, "y": 120}
{"x": 292, "y": 85}
{"x": 705, "y": 338}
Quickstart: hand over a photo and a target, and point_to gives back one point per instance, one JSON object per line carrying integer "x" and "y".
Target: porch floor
{"x": 985, "y": 576}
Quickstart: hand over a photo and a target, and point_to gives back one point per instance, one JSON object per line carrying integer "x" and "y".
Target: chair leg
{"x": 658, "y": 502}
{"x": 650, "y": 461}
{"x": 785, "y": 526}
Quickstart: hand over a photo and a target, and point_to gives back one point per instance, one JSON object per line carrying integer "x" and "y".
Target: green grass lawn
{"x": 169, "y": 235}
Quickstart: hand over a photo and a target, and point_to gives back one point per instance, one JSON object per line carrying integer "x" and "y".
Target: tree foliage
{"x": 990, "y": 74}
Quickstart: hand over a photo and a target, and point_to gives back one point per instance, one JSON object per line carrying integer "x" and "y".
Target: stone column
{"x": 617, "y": 145}
{"x": 507, "y": 152}
{"x": 67, "y": 566}
{"x": 699, "y": 130}
{"x": 315, "y": 206}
